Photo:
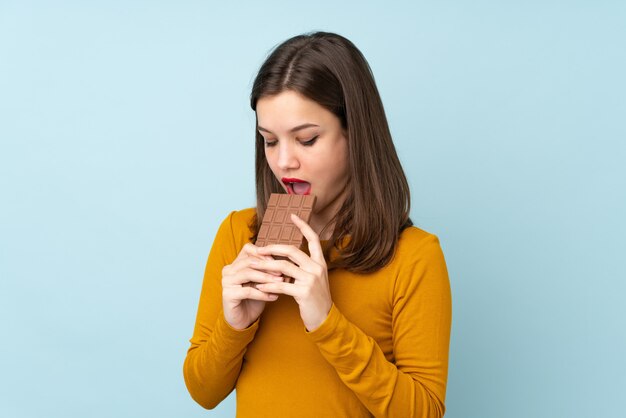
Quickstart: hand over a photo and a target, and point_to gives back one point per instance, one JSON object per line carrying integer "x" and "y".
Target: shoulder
{"x": 419, "y": 258}
{"x": 236, "y": 226}
{"x": 415, "y": 241}
{"x": 241, "y": 219}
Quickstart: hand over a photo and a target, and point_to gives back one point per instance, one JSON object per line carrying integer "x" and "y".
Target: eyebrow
{"x": 292, "y": 130}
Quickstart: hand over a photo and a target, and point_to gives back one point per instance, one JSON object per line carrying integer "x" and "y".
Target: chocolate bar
{"x": 277, "y": 227}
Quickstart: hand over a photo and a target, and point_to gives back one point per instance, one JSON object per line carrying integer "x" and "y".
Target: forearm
{"x": 213, "y": 363}
{"x": 384, "y": 389}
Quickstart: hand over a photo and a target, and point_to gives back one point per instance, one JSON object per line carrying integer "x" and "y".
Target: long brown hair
{"x": 329, "y": 69}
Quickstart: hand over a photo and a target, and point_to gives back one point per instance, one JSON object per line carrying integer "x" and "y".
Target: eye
{"x": 269, "y": 143}
{"x": 310, "y": 142}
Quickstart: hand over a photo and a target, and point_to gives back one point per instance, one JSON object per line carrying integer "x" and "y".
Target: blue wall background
{"x": 126, "y": 136}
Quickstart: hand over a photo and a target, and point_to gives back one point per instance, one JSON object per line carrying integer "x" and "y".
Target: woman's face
{"x": 306, "y": 149}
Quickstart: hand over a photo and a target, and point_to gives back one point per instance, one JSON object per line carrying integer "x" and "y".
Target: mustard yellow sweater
{"x": 382, "y": 351}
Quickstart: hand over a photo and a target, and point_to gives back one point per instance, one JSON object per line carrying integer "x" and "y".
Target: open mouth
{"x": 297, "y": 186}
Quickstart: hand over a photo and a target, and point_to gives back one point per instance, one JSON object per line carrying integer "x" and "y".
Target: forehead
{"x": 288, "y": 109}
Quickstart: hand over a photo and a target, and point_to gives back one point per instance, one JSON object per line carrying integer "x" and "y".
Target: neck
{"x": 322, "y": 228}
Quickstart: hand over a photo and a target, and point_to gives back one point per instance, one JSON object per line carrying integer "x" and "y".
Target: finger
{"x": 247, "y": 262}
{"x": 250, "y": 275}
{"x": 315, "y": 247}
{"x": 289, "y": 251}
{"x": 243, "y": 293}
{"x": 283, "y": 288}
{"x": 266, "y": 257}
{"x": 247, "y": 250}
{"x": 283, "y": 267}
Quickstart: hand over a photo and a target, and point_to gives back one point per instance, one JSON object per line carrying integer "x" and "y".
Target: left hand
{"x": 310, "y": 288}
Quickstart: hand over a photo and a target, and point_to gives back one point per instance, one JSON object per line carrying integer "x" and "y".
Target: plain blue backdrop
{"x": 126, "y": 136}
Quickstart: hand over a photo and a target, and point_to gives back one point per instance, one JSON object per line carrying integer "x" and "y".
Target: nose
{"x": 287, "y": 158}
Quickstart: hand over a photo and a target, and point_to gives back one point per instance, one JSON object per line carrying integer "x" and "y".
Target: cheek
{"x": 337, "y": 174}
{"x": 271, "y": 163}
{"x": 341, "y": 162}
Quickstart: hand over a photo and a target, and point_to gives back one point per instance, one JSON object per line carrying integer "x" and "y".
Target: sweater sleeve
{"x": 214, "y": 360}
{"x": 414, "y": 385}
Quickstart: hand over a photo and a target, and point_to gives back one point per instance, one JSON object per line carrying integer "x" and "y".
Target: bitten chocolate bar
{"x": 277, "y": 227}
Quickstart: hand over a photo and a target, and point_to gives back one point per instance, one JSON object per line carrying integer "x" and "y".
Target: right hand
{"x": 242, "y": 302}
